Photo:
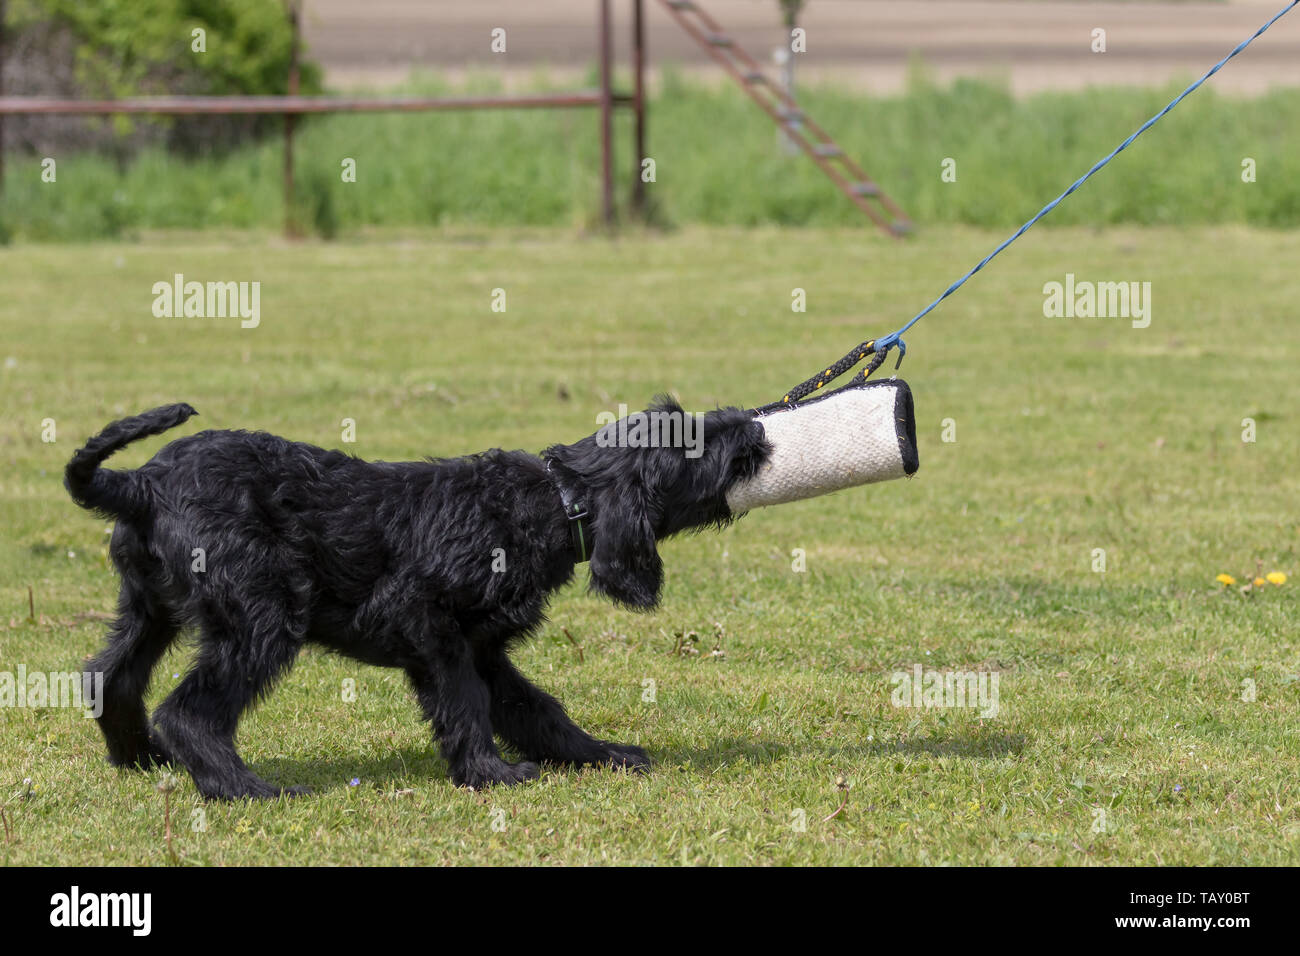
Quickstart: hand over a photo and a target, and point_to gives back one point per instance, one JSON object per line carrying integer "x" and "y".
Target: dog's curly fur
{"x": 388, "y": 563}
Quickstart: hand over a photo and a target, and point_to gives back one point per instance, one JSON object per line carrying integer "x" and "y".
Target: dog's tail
{"x": 110, "y": 492}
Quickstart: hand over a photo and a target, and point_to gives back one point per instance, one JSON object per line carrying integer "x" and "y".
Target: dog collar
{"x": 575, "y": 509}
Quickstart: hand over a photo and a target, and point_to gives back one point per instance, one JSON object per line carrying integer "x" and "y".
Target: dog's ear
{"x": 625, "y": 564}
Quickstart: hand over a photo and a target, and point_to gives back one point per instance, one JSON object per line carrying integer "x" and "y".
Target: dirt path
{"x": 868, "y": 43}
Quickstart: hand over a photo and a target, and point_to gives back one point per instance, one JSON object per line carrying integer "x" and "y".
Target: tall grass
{"x": 717, "y": 162}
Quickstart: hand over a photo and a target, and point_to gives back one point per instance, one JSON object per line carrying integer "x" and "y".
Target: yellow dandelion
{"x": 1276, "y": 577}
{"x": 1227, "y": 580}
{"x": 1259, "y": 582}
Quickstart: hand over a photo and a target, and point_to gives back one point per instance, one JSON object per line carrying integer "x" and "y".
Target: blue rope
{"x": 895, "y": 338}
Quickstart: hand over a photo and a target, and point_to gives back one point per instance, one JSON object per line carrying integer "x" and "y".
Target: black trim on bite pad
{"x": 904, "y": 415}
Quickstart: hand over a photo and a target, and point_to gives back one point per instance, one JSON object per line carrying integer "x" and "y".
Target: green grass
{"x": 717, "y": 162}
{"x": 1120, "y": 691}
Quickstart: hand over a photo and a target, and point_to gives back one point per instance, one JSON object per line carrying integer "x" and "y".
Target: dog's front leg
{"x": 455, "y": 699}
{"x": 533, "y": 721}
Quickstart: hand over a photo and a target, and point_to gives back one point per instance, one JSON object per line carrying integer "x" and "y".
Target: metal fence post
{"x": 3, "y": 38}
{"x": 292, "y": 8}
{"x": 638, "y": 100}
{"x": 606, "y": 115}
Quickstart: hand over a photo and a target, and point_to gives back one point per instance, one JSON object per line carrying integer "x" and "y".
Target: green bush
{"x": 118, "y": 48}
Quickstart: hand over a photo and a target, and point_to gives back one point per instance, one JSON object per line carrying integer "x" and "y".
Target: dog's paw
{"x": 245, "y": 788}
{"x": 157, "y": 755}
{"x": 496, "y": 773}
{"x": 624, "y": 757}
{"x": 139, "y": 753}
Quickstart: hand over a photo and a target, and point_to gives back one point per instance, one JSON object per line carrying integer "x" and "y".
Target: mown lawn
{"x": 1124, "y": 690}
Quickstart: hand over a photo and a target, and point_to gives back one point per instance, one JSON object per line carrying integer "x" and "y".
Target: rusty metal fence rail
{"x": 292, "y": 105}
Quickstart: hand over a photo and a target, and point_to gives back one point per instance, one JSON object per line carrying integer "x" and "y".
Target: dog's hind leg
{"x": 457, "y": 702}
{"x": 138, "y": 638}
{"x": 535, "y": 723}
{"x": 197, "y": 721}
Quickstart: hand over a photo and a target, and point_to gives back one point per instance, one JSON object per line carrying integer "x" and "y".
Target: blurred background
{"x": 1017, "y": 90}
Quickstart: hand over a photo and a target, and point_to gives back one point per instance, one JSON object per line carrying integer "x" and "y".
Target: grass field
{"x": 1121, "y": 691}
{"x": 716, "y": 164}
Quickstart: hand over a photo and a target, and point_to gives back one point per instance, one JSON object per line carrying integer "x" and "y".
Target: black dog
{"x": 435, "y": 567}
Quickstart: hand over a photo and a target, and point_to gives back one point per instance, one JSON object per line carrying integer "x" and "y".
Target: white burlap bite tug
{"x": 855, "y": 435}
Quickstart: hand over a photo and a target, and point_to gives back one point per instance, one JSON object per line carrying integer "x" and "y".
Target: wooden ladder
{"x": 847, "y": 175}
